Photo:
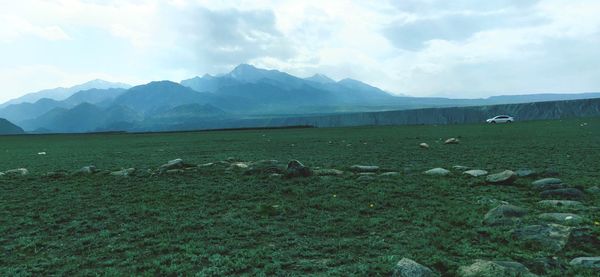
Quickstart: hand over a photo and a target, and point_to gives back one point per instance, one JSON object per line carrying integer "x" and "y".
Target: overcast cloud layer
{"x": 454, "y": 48}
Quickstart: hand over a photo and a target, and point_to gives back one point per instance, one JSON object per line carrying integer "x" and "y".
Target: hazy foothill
{"x": 328, "y": 138}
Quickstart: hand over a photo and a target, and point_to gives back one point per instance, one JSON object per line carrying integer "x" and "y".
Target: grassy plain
{"x": 212, "y": 222}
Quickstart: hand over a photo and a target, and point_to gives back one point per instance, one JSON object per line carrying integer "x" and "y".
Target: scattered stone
{"x": 437, "y": 172}
{"x": 90, "y": 169}
{"x": 297, "y": 169}
{"x": 409, "y": 268}
{"x": 175, "y": 164}
{"x": 364, "y": 168}
{"x": 424, "y": 145}
{"x": 565, "y": 204}
{"x": 484, "y": 200}
{"x": 482, "y": 268}
{"x": 562, "y": 218}
{"x": 238, "y": 165}
{"x": 460, "y": 167}
{"x": 328, "y": 172}
{"x": 551, "y": 237}
{"x": 568, "y": 193}
{"x": 587, "y": 262}
{"x": 42, "y": 153}
{"x": 206, "y": 165}
{"x": 504, "y": 215}
{"x": 548, "y": 184}
{"x": 17, "y": 172}
{"x": 476, "y": 172}
{"x": 505, "y": 177}
{"x": 123, "y": 172}
{"x": 390, "y": 174}
{"x": 525, "y": 173}
{"x": 266, "y": 167}
{"x": 593, "y": 190}
{"x": 452, "y": 141}
{"x": 1, "y": 174}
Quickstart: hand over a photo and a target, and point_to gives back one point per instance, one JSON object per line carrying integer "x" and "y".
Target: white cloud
{"x": 425, "y": 47}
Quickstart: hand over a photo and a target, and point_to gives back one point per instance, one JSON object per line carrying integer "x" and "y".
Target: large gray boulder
{"x": 409, "y": 268}
{"x": 505, "y": 177}
{"x": 551, "y": 237}
{"x": 438, "y": 171}
{"x": 297, "y": 169}
{"x": 567, "y": 193}
{"x": 548, "y": 184}
{"x": 562, "y": 218}
{"x": 586, "y": 262}
{"x": 482, "y": 268}
{"x": 505, "y": 214}
{"x": 476, "y": 172}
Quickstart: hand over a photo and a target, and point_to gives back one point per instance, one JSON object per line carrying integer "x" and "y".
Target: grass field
{"x": 213, "y": 222}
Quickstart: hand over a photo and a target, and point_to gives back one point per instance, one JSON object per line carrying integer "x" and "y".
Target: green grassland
{"x": 214, "y": 222}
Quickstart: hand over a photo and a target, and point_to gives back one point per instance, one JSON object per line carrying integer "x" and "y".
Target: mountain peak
{"x": 320, "y": 78}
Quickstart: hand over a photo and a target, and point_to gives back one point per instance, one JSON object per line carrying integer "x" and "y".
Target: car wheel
{"x": 508, "y": 121}
{"x": 493, "y": 122}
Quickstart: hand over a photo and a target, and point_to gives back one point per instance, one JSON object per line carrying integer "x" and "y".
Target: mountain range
{"x": 246, "y": 94}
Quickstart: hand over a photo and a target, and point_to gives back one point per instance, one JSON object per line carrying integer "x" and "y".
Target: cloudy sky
{"x": 453, "y": 48}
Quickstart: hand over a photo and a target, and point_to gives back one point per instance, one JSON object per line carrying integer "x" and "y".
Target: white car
{"x": 501, "y": 119}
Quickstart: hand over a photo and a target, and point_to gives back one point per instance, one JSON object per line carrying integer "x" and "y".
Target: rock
{"x": 586, "y": 262}
{"x": 265, "y": 167}
{"x": 364, "y": 168}
{"x": 562, "y": 218}
{"x": 328, "y": 172}
{"x": 90, "y": 169}
{"x": 505, "y": 177}
{"x": 593, "y": 190}
{"x": 297, "y": 169}
{"x": 175, "y": 164}
{"x": 17, "y": 172}
{"x": 390, "y": 174}
{"x": 238, "y": 165}
{"x": 476, "y": 172}
{"x": 548, "y": 184}
{"x": 424, "y": 145}
{"x": 562, "y": 204}
{"x": 460, "y": 167}
{"x": 504, "y": 215}
{"x": 525, "y": 173}
{"x": 123, "y": 172}
{"x": 452, "y": 141}
{"x": 409, "y": 268}
{"x": 552, "y": 237}
{"x": 483, "y": 268}
{"x": 568, "y": 193}
{"x": 437, "y": 172}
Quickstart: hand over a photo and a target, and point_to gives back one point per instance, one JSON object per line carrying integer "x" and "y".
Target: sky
{"x": 445, "y": 48}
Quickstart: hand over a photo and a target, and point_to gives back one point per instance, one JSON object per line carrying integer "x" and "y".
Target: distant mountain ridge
{"x": 61, "y": 93}
{"x": 248, "y": 95}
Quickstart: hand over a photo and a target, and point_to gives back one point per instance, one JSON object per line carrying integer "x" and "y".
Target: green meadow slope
{"x": 217, "y": 220}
